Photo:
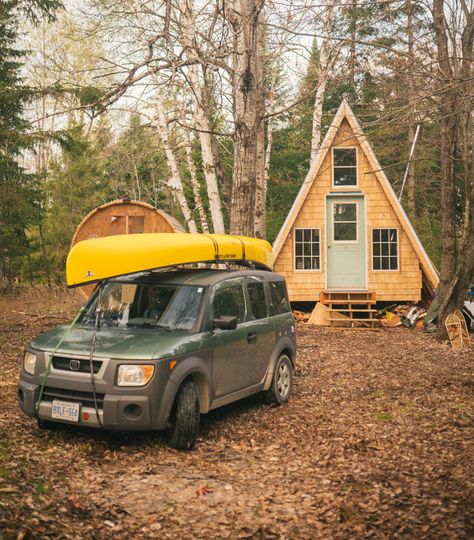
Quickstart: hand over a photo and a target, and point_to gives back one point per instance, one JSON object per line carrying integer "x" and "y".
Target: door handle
{"x": 251, "y": 338}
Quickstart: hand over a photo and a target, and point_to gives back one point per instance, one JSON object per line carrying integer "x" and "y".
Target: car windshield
{"x": 149, "y": 305}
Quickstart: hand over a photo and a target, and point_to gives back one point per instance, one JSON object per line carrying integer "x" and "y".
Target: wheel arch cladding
{"x": 196, "y": 370}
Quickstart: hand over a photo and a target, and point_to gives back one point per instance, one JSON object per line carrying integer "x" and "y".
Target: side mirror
{"x": 226, "y": 322}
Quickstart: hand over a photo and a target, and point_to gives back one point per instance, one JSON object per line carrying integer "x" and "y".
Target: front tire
{"x": 184, "y": 418}
{"x": 282, "y": 382}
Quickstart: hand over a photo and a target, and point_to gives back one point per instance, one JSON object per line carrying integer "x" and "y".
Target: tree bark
{"x": 410, "y": 200}
{"x": 247, "y": 117}
{"x": 322, "y": 80}
{"x": 202, "y": 121}
{"x": 261, "y": 188}
{"x": 195, "y": 185}
{"x": 455, "y": 110}
{"x": 174, "y": 183}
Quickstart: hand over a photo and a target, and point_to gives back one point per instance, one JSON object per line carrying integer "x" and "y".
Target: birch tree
{"x": 202, "y": 121}
{"x": 175, "y": 183}
{"x": 323, "y": 72}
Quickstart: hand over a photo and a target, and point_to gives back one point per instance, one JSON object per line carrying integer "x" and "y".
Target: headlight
{"x": 29, "y": 362}
{"x": 136, "y": 375}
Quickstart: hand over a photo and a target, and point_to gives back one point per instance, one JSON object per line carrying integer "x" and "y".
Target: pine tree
{"x": 18, "y": 189}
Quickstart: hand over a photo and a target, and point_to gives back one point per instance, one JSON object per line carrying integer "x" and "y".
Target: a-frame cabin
{"x": 347, "y": 236}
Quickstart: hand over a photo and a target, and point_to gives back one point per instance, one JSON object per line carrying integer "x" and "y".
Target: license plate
{"x": 65, "y": 410}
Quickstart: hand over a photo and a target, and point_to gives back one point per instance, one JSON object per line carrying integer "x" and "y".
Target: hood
{"x": 122, "y": 343}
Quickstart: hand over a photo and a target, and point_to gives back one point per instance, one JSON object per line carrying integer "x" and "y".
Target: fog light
{"x": 132, "y": 411}
{"x": 85, "y": 416}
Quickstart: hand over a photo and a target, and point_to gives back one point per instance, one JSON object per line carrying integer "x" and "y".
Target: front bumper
{"x": 116, "y": 412}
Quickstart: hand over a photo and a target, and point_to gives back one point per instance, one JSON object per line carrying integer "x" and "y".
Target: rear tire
{"x": 282, "y": 382}
{"x": 184, "y": 417}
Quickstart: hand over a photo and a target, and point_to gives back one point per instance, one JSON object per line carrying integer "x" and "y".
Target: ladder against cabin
{"x": 349, "y": 309}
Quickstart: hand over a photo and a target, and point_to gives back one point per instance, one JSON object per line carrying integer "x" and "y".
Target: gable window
{"x": 307, "y": 249}
{"x": 344, "y": 167}
{"x": 385, "y": 249}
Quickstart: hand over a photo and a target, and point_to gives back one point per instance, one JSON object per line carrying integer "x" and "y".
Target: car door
{"x": 231, "y": 349}
{"x": 262, "y": 328}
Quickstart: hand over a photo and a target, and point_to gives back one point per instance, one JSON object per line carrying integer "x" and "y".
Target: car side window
{"x": 258, "y": 302}
{"x": 279, "y": 297}
{"x": 229, "y": 302}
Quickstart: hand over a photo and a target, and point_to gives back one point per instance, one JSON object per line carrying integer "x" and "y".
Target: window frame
{"x": 333, "y": 222}
{"x": 372, "y": 249}
{"x": 320, "y": 250}
{"x": 352, "y": 186}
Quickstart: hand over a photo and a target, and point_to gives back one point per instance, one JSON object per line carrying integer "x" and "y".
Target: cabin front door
{"x": 345, "y": 242}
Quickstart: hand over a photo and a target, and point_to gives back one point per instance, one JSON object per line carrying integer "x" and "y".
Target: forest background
{"x": 213, "y": 111}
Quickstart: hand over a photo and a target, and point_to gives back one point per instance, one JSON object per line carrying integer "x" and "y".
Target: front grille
{"x": 61, "y": 362}
{"x": 85, "y": 398}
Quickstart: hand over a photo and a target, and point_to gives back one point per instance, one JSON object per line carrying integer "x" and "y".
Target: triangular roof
{"x": 345, "y": 112}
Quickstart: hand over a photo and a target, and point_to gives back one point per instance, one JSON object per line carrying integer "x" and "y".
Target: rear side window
{"x": 258, "y": 302}
{"x": 279, "y": 298}
{"x": 229, "y": 302}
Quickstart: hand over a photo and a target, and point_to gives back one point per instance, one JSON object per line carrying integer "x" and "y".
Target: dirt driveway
{"x": 378, "y": 441}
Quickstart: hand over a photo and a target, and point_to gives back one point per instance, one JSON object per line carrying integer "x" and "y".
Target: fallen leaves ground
{"x": 377, "y": 442}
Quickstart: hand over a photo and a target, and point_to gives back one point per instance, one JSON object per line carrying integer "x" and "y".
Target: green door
{"x": 345, "y": 241}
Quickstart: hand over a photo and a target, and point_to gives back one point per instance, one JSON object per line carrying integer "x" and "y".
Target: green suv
{"x": 167, "y": 346}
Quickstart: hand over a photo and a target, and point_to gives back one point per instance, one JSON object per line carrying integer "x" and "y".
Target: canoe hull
{"x": 94, "y": 260}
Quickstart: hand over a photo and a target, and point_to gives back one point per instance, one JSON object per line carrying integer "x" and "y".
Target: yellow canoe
{"x": 93, "y": 260}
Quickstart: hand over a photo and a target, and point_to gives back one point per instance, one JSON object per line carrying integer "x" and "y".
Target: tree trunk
{"x": 323, "y": 69}
{"x": 261, "y": 188}
{"x": 455, "y": 110}
{"x": 174, "y": 183}
{"x": 353, "y": 32}
{"x": 202, "y": 121}
{"x": 410, "y": 200}
{"x": 247, "y": 116}
{"x": 195, "y": 185}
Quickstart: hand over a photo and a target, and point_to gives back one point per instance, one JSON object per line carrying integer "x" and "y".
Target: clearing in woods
{"x": 377, "y": 442}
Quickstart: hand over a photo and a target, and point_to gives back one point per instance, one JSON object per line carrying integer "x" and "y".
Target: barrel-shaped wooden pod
{"x": 123, "y": 217}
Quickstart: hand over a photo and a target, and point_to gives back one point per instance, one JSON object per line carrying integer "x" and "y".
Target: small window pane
{"x": 384, "y": 249}
{"x": 307, "y": 263}
{"x": 393, "y": 235}
{"x": 384, "y": 263}
{"x": 307, "y": 235}
{"x": 345, "y": 157}
{"x": 345, "y": 212}
{"x": 315, "y": 263}
{"x": 299, "y": 263}
{"x": 307, "y": 249}
{"x": 299, "y": 249}
{"x": 376, "y": 250}
{"x": 258, "y": 303}
{"x": 393, "y": 263}
{"x": 315, "y": 234}
{"x": 376, "y": 263}
{"x": 376, "y": 235}
{"x": 299, "y": 235}
{"x": 384, "y": 235}
{"x": 393, "y": 249}
{"x": 345, "y": 231}
{"x": 345, "y": 176}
